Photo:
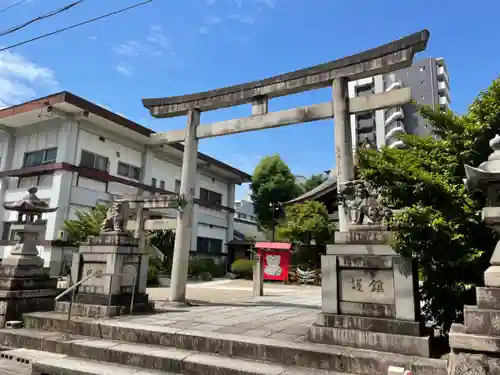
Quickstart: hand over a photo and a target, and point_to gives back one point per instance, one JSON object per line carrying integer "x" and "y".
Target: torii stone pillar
{"x": 343, "y": 143}
{"x": 185, "y": 217}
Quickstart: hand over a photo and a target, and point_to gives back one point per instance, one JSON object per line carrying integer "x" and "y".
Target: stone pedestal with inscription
{"x": 369, "y": 295}
{"x": 119, "y": 281}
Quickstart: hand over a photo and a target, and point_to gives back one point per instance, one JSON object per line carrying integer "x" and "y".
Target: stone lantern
{"x": 25, "y": 286}
{"x": 486, "y": 178}
{"x": 30, "y": 210}
{"x": 480, "y": 332}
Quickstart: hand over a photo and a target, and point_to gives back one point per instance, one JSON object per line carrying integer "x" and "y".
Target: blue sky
{"x": 172, "y": 47}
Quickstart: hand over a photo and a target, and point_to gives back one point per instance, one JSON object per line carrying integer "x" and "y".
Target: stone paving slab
{"x": 277, "y": 322}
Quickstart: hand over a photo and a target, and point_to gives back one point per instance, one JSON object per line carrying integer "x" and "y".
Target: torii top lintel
{"x": 380, "y": 60}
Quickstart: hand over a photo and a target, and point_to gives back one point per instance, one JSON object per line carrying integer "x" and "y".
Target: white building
{"x": 245, "y": 221}
{"x": 78, "y": 153}
{"x": 430, "y": 85}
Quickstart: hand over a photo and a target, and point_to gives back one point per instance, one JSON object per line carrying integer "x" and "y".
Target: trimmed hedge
{"x": 243, "y": 268}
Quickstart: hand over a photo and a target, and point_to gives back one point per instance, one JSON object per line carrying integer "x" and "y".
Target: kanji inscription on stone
{"x": 367, "y": 286}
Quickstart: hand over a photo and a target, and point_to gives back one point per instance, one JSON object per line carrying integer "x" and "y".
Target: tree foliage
{"x": 306, "y": 221}
{"x": 440, "y": 222}
{"x": 86, "y": 224}
{"x": 272, "y": 182}
{"x": 313, "y": 181}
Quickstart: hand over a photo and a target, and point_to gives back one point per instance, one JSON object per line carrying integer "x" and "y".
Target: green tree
{"x": 272, "y": 182}
{"x": 440, "y": 223}
{"x": 313, "y": 181}
{"x": 306, "y": 221}
{"x": 86, "y": 224}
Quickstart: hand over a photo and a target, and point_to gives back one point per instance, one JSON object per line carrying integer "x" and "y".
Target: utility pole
{"x": 275, "y": 206}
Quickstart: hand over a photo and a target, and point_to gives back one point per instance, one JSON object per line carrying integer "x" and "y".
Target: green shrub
{"x": 152, "y": 275}
{"x": 206, "y": 276}
{"x": 243, "y": 268}
{"x": 198, "y": 266}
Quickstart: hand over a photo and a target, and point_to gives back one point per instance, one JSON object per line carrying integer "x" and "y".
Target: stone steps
{"x": 282, "y": 353}
{"x": 173, "y": 360}
{"x": 27, "y": 361}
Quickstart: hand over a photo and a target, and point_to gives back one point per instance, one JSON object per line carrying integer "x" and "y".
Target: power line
{"x": 75, "y": 25}
{"x": 12, "y": 5}
{"x": 42, "y": 17}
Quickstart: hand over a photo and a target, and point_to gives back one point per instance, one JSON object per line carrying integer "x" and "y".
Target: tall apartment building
{"x": 430, "y": 84}
{"x": 78, "y": 153}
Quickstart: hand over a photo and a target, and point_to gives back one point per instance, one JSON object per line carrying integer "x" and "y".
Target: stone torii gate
{"x": 380, "y": 60}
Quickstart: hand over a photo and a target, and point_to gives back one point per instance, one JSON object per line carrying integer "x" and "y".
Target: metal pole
{"x": 132, "y": 297}
{"x": 109, "y": 295}
{"x": 273, "y": 224}
{"x": 71, "y": 300}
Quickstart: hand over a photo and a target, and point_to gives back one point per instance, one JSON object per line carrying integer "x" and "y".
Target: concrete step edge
{"x": 45, "y": 362}
{"x": 292, "y": 353}
{"x": 142, "y": 356}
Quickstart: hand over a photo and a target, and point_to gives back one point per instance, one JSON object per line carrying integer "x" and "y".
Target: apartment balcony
{"x": 397, "y": 143}
{"x": 443, "y": 73}
{"x": 444, "y": 101}
{"x": 443, "y": 87}
{"x": 394, "y": 86}
{"x": 396, "y": 127}
{"x": 393, "y": 114}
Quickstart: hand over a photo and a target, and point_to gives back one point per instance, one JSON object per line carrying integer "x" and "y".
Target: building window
{"x": 209, "y": 245}
{"x": 364, "y": 90}
{"x": 127, "y": 170}
{"x": 153, "y": 182}
{"x": 40, "y": 157}
{"x": 94, "y": 161}
{"x": 210, "y": 196}
{"x": 44, "y": 180}
{"x": 162, "y": 184}
{"x": 177, "y": 187}
{"x": 422, "y": 68}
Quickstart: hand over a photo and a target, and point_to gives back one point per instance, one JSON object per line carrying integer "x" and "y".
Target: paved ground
{"x": 240, "y": 291}
{"x": 284, "y": 313}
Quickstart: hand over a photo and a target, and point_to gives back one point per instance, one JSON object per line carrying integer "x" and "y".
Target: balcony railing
{"x": 393, "y": 114}
{"x": 394, "y": 85}
{"x": 393, "y": 128}
{"x": 442, "y": 72}
{"x": 395, "y": 143}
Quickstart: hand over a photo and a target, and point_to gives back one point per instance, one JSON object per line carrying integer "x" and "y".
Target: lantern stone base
{"x": 475, "y": 344}
{"x": 369, "y": 296}
{"x": 25, "y": 289}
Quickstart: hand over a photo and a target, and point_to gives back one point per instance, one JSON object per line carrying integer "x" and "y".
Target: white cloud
{"x": 212, "y": 20}
{"x": 157, "y": 44}
{"x": 158, "y": 37}
{"x": 244, "y": 18}
{"x": 22, "y": 79}
{"x": 133, "y": 48}
{"x": 124, "y": 69}
{"x": 269, "y": 3}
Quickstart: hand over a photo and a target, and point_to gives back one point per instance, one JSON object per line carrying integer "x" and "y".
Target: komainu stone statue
{"x": 115, "y": 218}
{"x": 363, "y": 201}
